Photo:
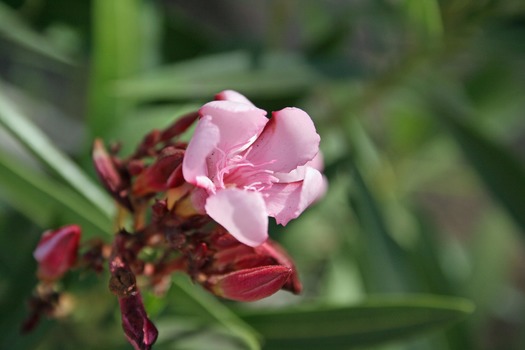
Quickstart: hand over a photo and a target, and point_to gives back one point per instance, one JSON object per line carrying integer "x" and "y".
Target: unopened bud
{"x": 249, "y": 284}
{"x": 57, "y": 252}
{"x": 162, "y": 175}
{"x": 109, "y": 175}
{"x": 139, "y": 330}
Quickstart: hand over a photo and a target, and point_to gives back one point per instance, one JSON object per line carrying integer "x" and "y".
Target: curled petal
{"x": 286, "y": 201}
{"x": 202, "y": 144}
{"x": 289, "y": 140}
{"x": 241, "y": 213}
{"x": 298, "y": 174}
{"x": 234, "y": 96}
{"x": 238, "y": 123}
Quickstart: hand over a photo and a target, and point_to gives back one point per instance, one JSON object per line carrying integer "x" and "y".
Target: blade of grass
{"x": 271, "y": 76}
{"x": 500, "y": 170}
{"x": 383, "y": 261}
{"x": 39, "y": 144}
{"x": 373, "y": 322}
{"x": 218, "y": 312}
{"x": 42, "y": 199}
{"x": 116, "y": 55}
{"x": 15, "y": 30}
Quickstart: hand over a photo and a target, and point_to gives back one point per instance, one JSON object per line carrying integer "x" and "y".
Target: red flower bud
{"x": 57, "y": 252}
{"x": 109, "y": 175}
{"x": 164, "y": 174}
{"x": 249, "y": 284}
{"x": 181, "y": 125}
{"x": 140, "y": 331}
{"x": 271, "y": 248}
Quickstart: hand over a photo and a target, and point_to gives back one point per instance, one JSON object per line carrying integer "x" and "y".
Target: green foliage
{"x": 370, "y": 323}
{"x": 419, "y": 106}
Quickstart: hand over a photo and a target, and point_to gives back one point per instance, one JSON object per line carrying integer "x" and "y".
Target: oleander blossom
{"x": 247, "y": 167}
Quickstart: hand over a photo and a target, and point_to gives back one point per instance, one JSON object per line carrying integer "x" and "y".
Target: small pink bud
{"x": 249, "y": 284}
{"x": 165, "y": 173}
{"x": 57, "y": 252}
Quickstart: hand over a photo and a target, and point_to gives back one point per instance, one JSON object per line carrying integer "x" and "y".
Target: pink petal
{"x": 241, "y": 213}
{"x": 299, "y": 173}
{"x": 202, "y": 144}
{"x": 234, "y": 96}
{"x": 239, "y": 124}
{"x": 286, "y": 201}
{"x": 289, "y": 140}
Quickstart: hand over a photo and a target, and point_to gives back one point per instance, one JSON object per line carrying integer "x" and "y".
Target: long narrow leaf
{"x": 14, "y": 29}
{"x": 370, "y": 323}
{"x": 501, "y": 172}
{"x": 40, "y": 145}
{"x": 116, "y": 55}
{"x": 272, "y": 76}
{"x": 220, "y": 314}
{"x": 40, "y": 198}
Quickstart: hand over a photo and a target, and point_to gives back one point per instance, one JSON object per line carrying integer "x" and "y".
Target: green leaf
{"x": 41, "y": 199}
{"x": 274, "y": 75}
{"x": 370, "y": 323}
{"x": 39, "y": 144}
{"x": 14, "y": 29}
{"x": 216, "y": 312}
{"x": 383, "y": 261}
{"x": 501, "y": 172}
{"x": 117, "y": 40}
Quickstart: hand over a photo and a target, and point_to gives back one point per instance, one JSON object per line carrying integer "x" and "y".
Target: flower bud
{"x": 57, "y": 252}
{"x": 139, "y": 330}
{"x": 164, "y": 174}
{"x": 249, "y": 284}
{"x": 271, "y": 248}
{"x": 109, "y": 175}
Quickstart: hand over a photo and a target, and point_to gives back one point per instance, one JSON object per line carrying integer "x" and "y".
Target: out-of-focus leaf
{"x": 370, "y": 323}
{"x": 501, "y": 172}
{"x": 38, "y": 143}
{"x": 116, "y": 54}
{"x": 270, "y": 76}
{"x": 17, "y": 242}
{"x": 217, "y": 313}
{"x": 426, "y": 15}
{"x": 383, "y": 262}
{"x": 42, "y": 199}
{"x": 14, "y": 29}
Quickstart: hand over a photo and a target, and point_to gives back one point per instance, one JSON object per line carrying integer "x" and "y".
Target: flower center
{"x": 234, "y": 169}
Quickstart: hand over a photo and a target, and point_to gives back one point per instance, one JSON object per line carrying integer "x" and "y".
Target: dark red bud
{"x": 181, "y": 125}
{"x": 57, "y": 252}
{"x": 164, "y": 174}
{"x": 139, "y": 330}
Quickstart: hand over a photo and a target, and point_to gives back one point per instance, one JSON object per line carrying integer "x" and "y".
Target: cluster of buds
{"x": 201, "y": 207}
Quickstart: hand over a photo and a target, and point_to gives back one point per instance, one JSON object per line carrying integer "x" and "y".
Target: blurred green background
{"x": 421, "y": 110}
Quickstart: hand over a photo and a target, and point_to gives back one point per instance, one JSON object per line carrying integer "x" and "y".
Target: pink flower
{"x": 57, "y": 251}
{"x": 248, "y": 167}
